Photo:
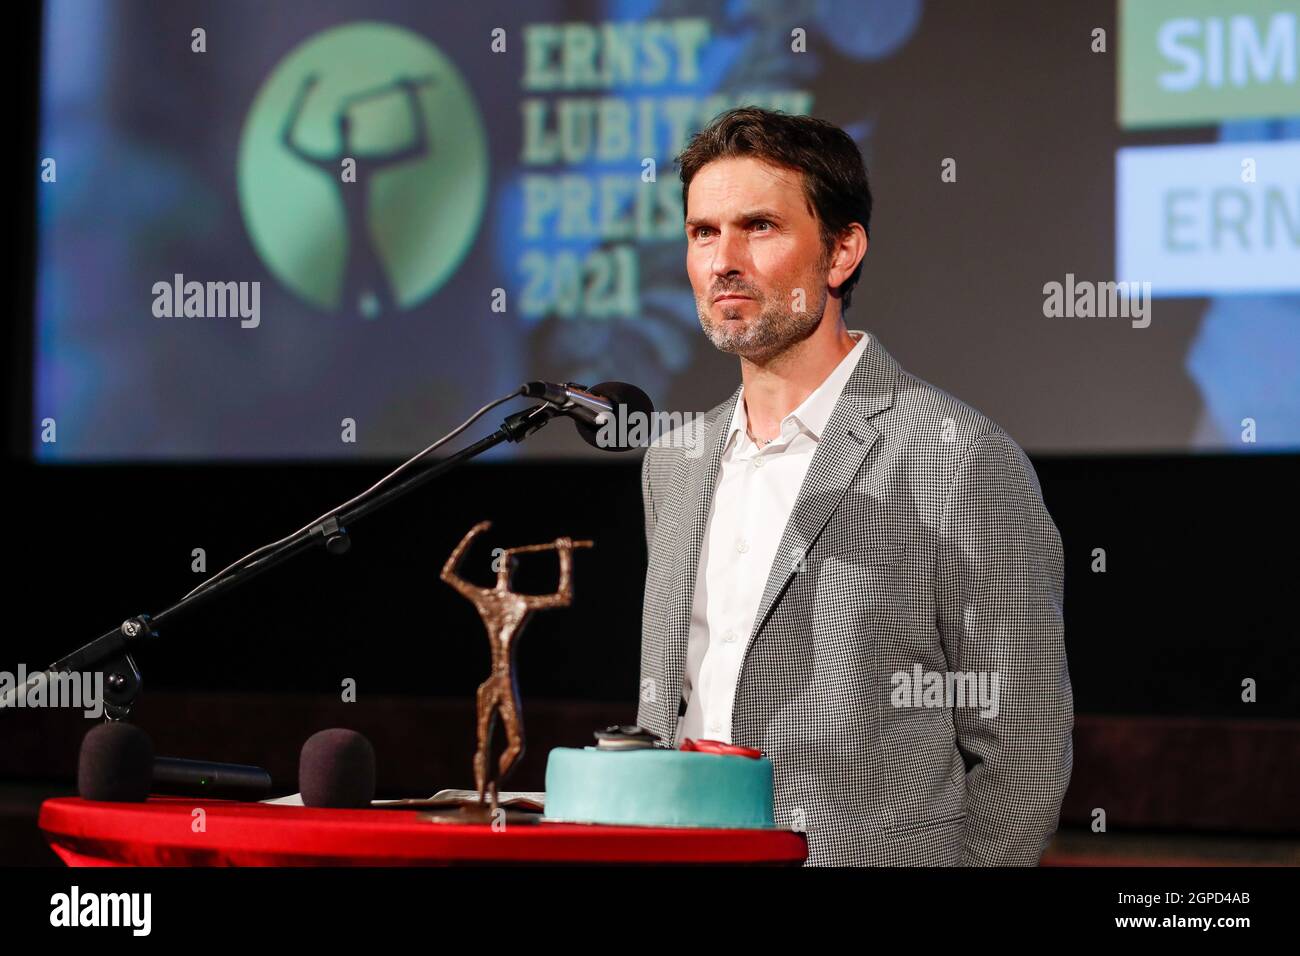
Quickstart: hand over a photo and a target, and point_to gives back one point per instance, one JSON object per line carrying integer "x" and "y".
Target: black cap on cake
{"x": 625, "y": 737}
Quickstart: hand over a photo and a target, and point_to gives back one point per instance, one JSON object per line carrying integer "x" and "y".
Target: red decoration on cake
{"x": 720, "y": 747}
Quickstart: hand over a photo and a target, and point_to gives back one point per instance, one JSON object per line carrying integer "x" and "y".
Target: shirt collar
{"x": 815, "y": 411}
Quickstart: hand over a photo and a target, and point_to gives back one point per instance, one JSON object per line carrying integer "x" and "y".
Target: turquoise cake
{"x": 658, "y": 787}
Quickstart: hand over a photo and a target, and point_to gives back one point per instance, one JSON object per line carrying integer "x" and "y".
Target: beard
{"x": 772, "y": 331}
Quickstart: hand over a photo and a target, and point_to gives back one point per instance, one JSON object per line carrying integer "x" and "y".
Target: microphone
{"x": 226, "y": 781}
{"x": 117, "y": 764}
{"x": 596, "y": 411}
{"x": 337, "y": 769}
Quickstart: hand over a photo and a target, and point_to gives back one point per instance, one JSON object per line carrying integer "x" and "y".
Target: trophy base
{"x": 471, "y": 811}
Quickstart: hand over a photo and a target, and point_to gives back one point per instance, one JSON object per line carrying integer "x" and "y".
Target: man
{"x": 849, "y": 569}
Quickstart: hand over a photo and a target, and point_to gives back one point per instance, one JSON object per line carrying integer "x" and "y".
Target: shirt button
{"x": 742, "y": 545}
{"x": 729, "y": 637}
{"x": 715, "y": 728}
{"x": 758, "y": 462}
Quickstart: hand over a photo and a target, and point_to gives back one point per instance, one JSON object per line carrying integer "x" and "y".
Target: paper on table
{"x": 507, "y": 798}
{"x": 293, "y": 800}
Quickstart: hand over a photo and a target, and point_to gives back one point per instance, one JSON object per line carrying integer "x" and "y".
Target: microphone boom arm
{"x": 110, "y": 652}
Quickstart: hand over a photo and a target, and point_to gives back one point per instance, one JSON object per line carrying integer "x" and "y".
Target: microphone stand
{"x": 112, "y": 652}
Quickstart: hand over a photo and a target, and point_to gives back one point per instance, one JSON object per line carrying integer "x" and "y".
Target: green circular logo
{"x": 363, "y": 169}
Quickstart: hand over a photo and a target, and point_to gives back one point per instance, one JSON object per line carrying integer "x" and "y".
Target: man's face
{"x": 755, "y": 257}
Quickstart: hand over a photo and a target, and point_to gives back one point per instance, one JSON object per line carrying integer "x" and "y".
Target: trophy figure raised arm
{"x": 505, "y": 613}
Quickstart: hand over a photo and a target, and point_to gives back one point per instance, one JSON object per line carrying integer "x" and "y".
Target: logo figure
{"x": 390, "y": 238}
{"x": 504, "y": 614}
{"x": 365, "y": 286}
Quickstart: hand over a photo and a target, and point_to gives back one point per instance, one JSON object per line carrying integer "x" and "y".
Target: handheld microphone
{"x": 597, "y": 411}
{"x": 337, "y": 769}
{"x": 179, "y": 776}
{"x": 117, "y": 764}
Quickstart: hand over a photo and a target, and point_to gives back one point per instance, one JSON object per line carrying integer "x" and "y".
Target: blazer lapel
{"x": 839, "y": 456}
{"x": 844, "y": 445}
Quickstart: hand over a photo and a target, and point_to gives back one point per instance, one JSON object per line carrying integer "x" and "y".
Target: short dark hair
{"x": 834, "y": 176}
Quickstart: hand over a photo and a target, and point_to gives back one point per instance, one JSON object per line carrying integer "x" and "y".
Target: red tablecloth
{"x": 161, "y": 833}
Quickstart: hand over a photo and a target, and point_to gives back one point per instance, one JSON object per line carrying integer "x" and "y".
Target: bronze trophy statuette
{"x": 504, "y": 613}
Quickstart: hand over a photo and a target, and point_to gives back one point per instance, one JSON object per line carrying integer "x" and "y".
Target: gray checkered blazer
{"x": 919, "y": 536}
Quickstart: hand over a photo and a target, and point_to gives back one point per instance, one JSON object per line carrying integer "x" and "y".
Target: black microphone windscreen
{"x": 337, "y": 769}
{"x": 116, "y": 764}
{"x": 621, "y": 393}
{"x": 630, "y": 403}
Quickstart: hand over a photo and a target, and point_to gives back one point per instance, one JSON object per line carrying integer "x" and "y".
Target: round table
{"x": 166, "y": 831}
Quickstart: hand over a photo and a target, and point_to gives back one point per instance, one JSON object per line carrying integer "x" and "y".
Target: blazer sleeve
{"x": 1000, "y": 580}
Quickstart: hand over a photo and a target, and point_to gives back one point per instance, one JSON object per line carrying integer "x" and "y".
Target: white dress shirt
{"x": 752, "y": 501}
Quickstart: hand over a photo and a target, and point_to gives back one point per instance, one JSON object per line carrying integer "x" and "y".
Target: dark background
{"x": 1199, "y": 568}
